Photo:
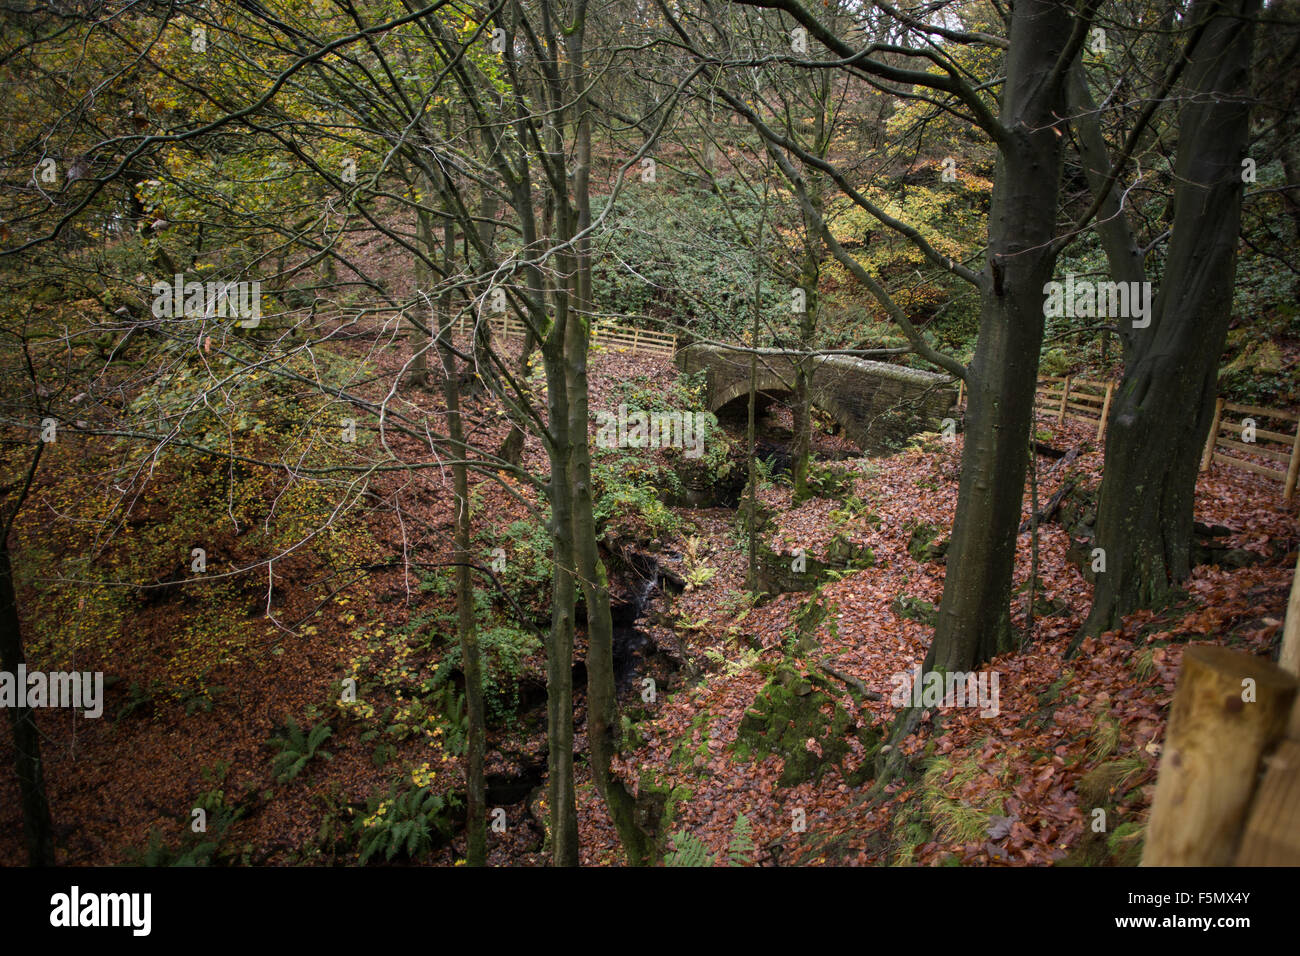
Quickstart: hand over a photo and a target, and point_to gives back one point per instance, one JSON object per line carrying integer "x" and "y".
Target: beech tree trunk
{"x": 975, "y": 615}
{"x": 1162, "y": 409}
{"x": 38, "y": 831}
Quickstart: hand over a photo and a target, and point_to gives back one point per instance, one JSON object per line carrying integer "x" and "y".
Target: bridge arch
{"x": 878, "y": 405}
{"x": 772, "y": 386}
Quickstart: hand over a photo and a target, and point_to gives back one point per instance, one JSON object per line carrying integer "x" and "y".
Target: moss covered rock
{"x": 781, "y": 572}
{"x": 797, "y": 717}
{"x": 925, "y": 544}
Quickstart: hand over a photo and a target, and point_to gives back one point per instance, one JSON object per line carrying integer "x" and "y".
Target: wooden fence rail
{"x": 1234, "y": 431}
{"x": 606, "y": 333}
{"x": 1079, "y": 399}
{"x": 1253, "y": 439}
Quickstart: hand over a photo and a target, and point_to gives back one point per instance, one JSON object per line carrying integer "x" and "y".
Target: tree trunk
{"x": 975, "y": 616}
{"x": 466, "y": 625}
{"x": 802, "y": 427}
{"x": 1123, "y": 255}
{"x": 1162, "y": 408}
{"x": 512, "y": 447}
{"x": 38, "y": 831}
{"x": 423, "y": 281}
{"x": 810, "y": 281}
{"x": 559, "y": 650}
{"x": 602, "y": 704}
{"x": 806, "y": 363}
{"x": 751, "y": 521}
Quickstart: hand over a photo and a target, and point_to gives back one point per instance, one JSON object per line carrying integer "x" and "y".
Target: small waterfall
{"x": 629, "y": 640}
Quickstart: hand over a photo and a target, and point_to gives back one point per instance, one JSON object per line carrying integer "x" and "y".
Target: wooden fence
{"x": 1276, "y": 445}
{"x": 606, "y": 333}
{"x": 1236, "y": 430}
{"x": 505, "y": 326}
{"x": 1079, "y": 399}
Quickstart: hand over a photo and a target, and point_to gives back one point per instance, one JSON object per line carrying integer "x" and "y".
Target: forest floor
{"x": 1070, "y": 736}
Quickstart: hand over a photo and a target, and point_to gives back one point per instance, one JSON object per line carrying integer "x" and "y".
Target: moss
{"x": 1054, "y": 362}
{"x": 657, "y": 805}
{"x": 793, "y": 708}
{"x": 909, "y": 829}
{"x": 844, "y": 554}
{"x": 1103, "y": 788}
{"x": 1256, "y": 357}
{"x": 828, "y": 481}
{"x": 1120, "y": 847}
{"x": 808, "y": 618}
{"x": 777, "y": 574}
{"x": 915, "y": 609}
{"x": 687, "y": 750}
{"x": 658, "y": 802}
{"x": 924, "y": 544}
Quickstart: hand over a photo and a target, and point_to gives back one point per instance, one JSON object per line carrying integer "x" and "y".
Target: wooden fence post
{"x": 1272, "y": 834}
{"x": 1288, "y": 656}
{"x": 1065, "y": 396}
{"x": 1105, "y": 410}
{"x": 1208, "y": 458}
{"x": 961, "y": 390}
{"x": 1293, "y": 467}
{"x": 1228, "y": 709}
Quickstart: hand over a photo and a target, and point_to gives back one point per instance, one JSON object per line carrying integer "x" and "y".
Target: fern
{"x": 740, "y": 852}
{"x": 402, "y": 822}
{"x": 297, "y": 748}
{"x": 747, "y": 659}
{"x": 159, "y": 854}
{"x": 195, "y": 849}
{"x": 690, "y": 851}
{"x": 455, "y": 720}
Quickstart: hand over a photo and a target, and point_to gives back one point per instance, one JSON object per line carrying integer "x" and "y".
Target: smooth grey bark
{"x": 975, "y": 617}
{"x": 1162, "y": 409}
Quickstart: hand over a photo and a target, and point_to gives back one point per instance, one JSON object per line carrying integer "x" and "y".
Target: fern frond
{"x": 690, "y": 851}
{"x": 740, "y": 852}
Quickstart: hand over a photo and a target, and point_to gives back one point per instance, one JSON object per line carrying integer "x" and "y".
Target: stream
{"x": 638, "y": 578}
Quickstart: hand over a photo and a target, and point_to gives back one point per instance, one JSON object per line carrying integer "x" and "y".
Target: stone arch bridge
{"x": 879, "y": 406}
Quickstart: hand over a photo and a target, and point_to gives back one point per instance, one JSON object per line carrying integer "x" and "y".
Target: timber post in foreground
{"x": 1229, "y": 710}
